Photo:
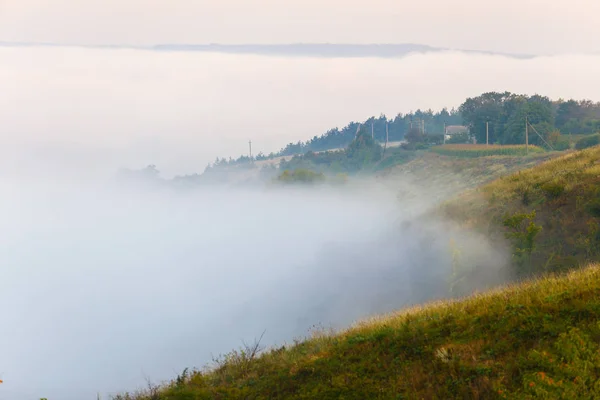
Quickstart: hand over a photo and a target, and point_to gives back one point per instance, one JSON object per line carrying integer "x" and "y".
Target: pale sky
{"x": 518, "y": 26}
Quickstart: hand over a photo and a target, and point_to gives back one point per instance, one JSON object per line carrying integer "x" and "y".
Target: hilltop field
{"x": 535, "y": 339}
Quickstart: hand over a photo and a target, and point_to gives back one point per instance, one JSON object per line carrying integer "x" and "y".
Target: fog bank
{"x": 105, "y": 285}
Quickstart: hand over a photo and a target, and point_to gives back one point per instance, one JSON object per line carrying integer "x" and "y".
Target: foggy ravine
{"x": 105, "y": 285}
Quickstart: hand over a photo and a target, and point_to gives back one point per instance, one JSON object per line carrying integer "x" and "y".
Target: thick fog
{"x": 105, "y": 285}
{"x": 68, "y": 107}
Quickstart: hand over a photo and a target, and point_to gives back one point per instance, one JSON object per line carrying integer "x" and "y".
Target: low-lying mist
{"x": 106, "y": 285}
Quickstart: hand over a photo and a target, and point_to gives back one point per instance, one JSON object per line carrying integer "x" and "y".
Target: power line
{"x": 526, "y": 135}
{"x": 541, "y": 137}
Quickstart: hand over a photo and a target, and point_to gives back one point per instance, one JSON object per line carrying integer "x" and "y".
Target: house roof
{"x": 450, "y": 129}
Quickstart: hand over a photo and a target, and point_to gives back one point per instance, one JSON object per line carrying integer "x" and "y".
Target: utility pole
{"x": 487, "y": 133}
{"x": 423, "y": 126}
{"x": 444, "y": 132}
{"x": 250, "y": 144}
{"x": 526, "y": 135}
{"x": 387, "y": 135}
{"x": 372, "y": 131}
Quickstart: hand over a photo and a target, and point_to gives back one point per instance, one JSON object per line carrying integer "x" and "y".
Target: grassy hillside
{"x": 534, "y": 340}
{"x": 550, "y": 213}
{"x": 443, "y": 176}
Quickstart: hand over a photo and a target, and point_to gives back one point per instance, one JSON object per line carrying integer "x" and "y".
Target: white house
{"x": 452, "y": 130}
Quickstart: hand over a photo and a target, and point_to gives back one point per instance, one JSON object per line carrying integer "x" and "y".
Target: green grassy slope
{"x": 550, "y": 213}
{"x": 444, "y": 176}
{"x": 535, "y": 340}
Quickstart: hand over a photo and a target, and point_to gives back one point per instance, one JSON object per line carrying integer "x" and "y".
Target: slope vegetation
{"x": 444, "y": 176}
{"x": 550, "y": 213}
{"x": 535, "y": 340}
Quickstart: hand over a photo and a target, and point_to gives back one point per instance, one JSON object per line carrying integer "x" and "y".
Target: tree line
{"x": 504, "y": 116}
{"x": 361, "y": 152}
{"x": 336, "y": 138}
{"x": 501, "y": 115}
{"x": 340, "y": 138}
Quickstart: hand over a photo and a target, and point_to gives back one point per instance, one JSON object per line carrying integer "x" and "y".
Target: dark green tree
{"x": 414, "y": 135}
{"x": 538, "y": 113}
{"x": 488, "y": 107}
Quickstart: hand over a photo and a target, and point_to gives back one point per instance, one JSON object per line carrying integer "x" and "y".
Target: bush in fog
{"x": 301, "y": 176}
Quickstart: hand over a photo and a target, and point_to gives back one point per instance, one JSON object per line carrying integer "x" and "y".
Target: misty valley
{"x": 160, "y": 279}
{"x": 298, "y": 222}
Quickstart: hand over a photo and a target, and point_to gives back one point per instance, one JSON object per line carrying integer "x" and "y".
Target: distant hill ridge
{"x": 327, "y": 50}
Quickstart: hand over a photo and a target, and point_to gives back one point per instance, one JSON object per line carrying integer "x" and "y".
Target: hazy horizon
{"x": 93, "y": 111}
{"x": 306, "y": 49}
{"x": 555, "y": 28}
